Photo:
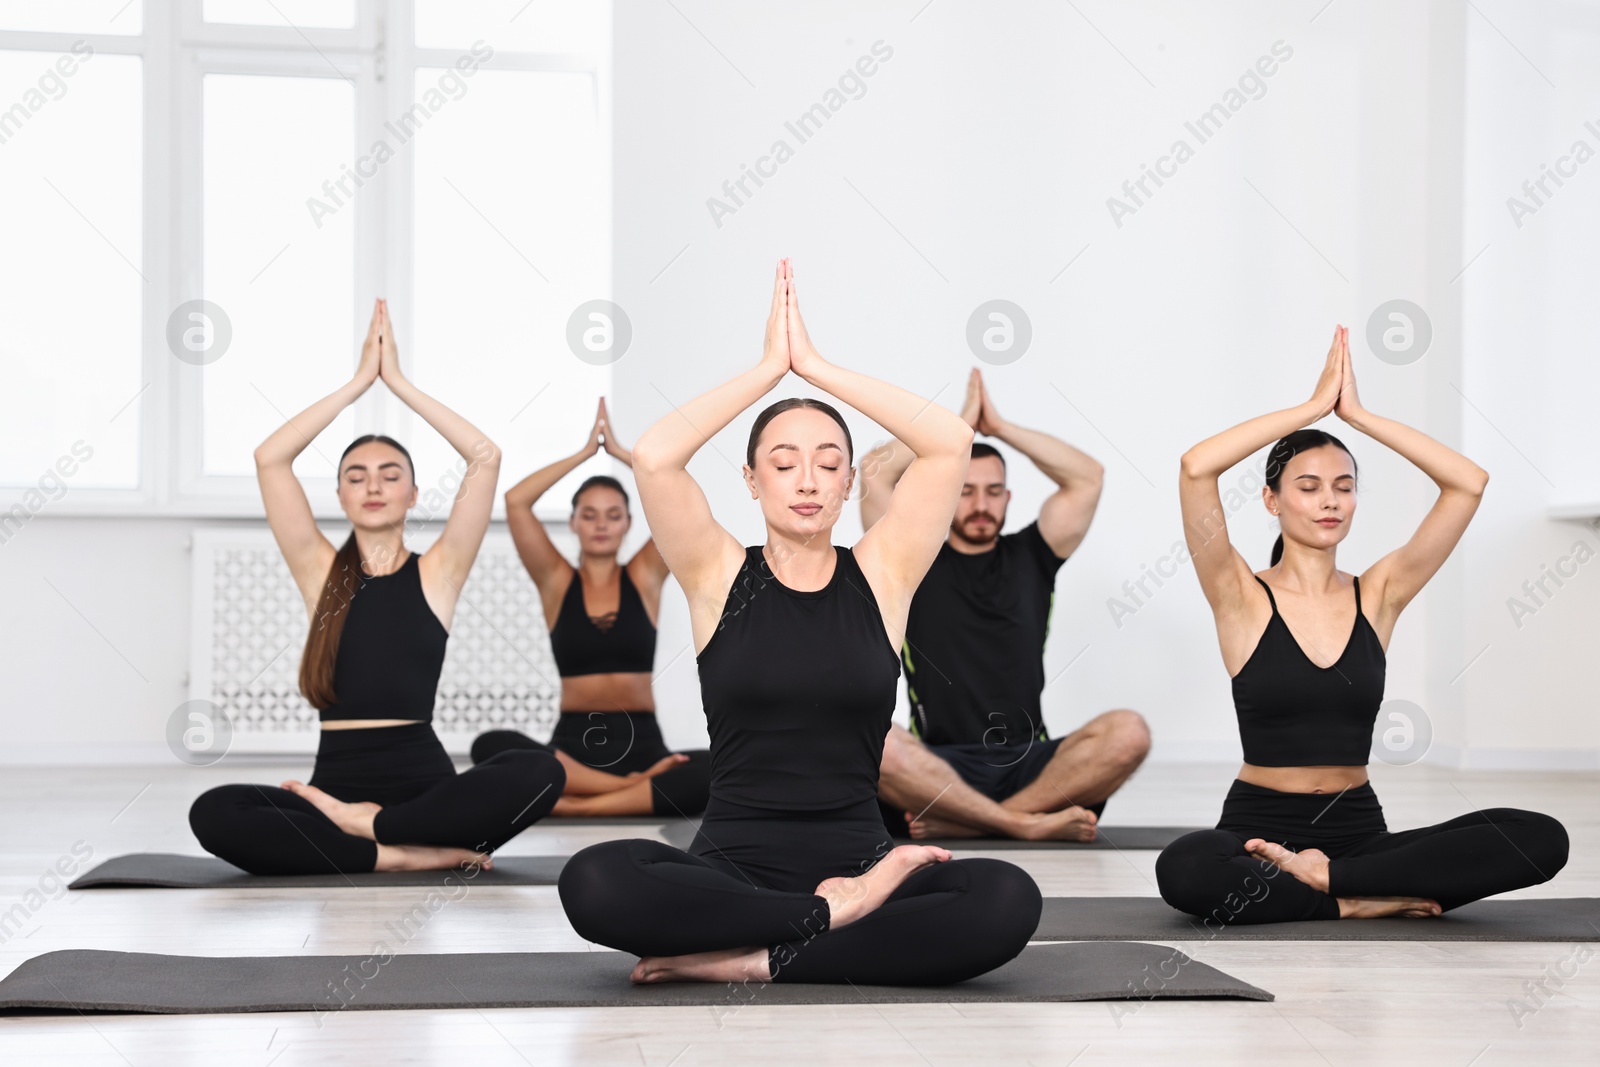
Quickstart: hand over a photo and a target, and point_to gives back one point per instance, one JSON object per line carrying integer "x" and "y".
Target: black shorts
{"x": 998, "y": 771}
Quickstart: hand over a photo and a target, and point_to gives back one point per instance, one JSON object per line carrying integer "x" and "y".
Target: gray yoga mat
{"x": 1150, "y": 919}
{"x": 682, "y": 832}
{"x": 168, "y": 870}
{"x": 93, "y": 980}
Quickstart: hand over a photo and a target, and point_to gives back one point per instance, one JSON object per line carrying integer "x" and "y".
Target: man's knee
{"x": 1127, "y": 736}
{"x": 898, "y": 746}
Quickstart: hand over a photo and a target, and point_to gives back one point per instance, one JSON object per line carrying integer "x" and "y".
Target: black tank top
{"x": 1293, "y": 713}
{"x": 624, "y": 640}
{"x": 799, "y": 688}
{"x": 390, "y": 650}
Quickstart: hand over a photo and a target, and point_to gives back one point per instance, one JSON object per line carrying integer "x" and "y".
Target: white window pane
{"x": 515, "y": 25}
{"x": 328, "y": 14}
{"x": 512, "y": 235}
{"x": 79, "y": 16}
{"x": 71, "y": 286}
{"x": 285, "y": 283}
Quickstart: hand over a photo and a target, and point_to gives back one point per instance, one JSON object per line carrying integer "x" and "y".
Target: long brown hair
{"x": 344, "y": 577}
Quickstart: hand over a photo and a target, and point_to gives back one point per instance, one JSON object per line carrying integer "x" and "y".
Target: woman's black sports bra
{"x": 619, "y": 641}
{"x": 391, "y": 650}
{"x": 1293, "y": 713}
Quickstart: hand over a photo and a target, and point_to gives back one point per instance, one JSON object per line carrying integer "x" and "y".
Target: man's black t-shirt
{"x": 974, "y": 648}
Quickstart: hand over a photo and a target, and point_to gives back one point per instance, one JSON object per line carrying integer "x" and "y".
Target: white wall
{"x": 987, "y": 147}
{"x": 977, "y": 165}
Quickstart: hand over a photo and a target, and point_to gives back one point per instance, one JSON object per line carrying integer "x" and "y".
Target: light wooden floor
{"x": 1337, "y": 1003}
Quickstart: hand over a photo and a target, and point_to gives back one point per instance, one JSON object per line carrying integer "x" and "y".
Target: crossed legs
{"x": 1089, "y": 765}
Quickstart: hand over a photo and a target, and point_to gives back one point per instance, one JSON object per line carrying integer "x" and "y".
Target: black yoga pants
{"x": 1208, "y": 873}
{"x": 617, "y": 742}
{"x": 267, "y": 830}
{"x": 945, "y": 923}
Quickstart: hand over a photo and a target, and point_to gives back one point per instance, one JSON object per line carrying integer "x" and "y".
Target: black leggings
{"x": 267, "y": 830}
{"x": 748, "y": 881}
{"x": 1209, "y": 874}
{"x": 617, "y": 742}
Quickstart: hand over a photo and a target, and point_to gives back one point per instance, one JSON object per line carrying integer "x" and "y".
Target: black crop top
{"x": 624, "y": 640}
{"x": 1293, "y": 713}
{"x": 390, "y": 650}
{"x": 798, "y": 688}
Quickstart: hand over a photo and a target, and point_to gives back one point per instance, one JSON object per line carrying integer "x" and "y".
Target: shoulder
{"x": 1029, "y": 539}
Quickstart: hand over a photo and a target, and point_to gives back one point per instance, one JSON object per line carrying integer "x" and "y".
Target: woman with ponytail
{"x": 601, "y": 614}
{"x": 1306, "y": 646}
{"x": 384, "y": 795}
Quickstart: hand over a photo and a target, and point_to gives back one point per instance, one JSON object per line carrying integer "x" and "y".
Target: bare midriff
{"x": 617, "y": 691}
{"x": 365, "y": 724}
{"x": 1304, "y": 779}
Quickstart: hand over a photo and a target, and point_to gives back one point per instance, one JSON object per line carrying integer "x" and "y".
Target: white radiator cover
{"x": 249, "y": 628}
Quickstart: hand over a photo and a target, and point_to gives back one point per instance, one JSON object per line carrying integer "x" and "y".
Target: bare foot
{"x": 355, "y": 819}
{"x": 851, "y": 898}
{"x": 1308, "y": 865}
{"x": 1378, "y": 907}
{"x": 1311, "y": 867}
{"x": 660, "y": 766}
{"x": 728, "y": 965}
{"x": 429, "y": 858}
{"x": 933, "y": 826}
{"x": 1068, "y": 824}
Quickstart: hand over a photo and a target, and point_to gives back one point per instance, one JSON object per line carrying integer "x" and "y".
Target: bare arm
{"x": 1398, "y": 577}
{"x": 308, "y": 553}
{"x": 543, "y": 561}
{"x": 463, "y": 531}
{"x": 1065, "y": 515}
{"x": 1224, "y": 575}
{"x": 883, "y": 466}
{"x": 646, "y": 563}
{"x": 702, "y": 555}
{"x": 902, "y": 544}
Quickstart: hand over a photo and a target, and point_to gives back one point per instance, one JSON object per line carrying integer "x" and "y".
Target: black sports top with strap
{"x": 799, "y": 688}
{"x": 1293, "y": 713}
{"x": 391, "y": 650}
{"x": 622, "y": 641}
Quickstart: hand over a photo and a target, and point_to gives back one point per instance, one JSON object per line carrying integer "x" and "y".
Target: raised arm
{"x": 463, "y": 531}
{"x": 308, "y": 553}
{"x": 702, "y": 555}
{"x": 544, "y": 562}
{"x": 1399, "y": 576}
{"x": 883, "y": 467}
{"x": 901, "y": 545}
{"x": 1224, "y": 575}
{"x": 1065, "y": 515}
{"x": 646, "y": 562}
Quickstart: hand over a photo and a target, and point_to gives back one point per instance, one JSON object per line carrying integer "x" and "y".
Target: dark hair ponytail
{"x": 344, "y": 577}
{"x": 1287, "y": 449}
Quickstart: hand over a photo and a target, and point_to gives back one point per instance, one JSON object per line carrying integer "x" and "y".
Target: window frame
{"x": 178, "y": 49}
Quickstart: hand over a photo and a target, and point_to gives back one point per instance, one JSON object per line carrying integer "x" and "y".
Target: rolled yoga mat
{"x": 168, "y": 870}
{"x": 681, "y": 832}
{"x": 81, "y": 980}
{"x": 1151, "y": 919}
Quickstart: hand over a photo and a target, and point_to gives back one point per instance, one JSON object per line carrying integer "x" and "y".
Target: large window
{"x": 206, "y": 196}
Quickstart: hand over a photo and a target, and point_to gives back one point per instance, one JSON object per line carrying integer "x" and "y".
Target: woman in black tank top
{"x": 384, "y": 794}
{"x": 606, "y": 735}
{"x": 792, "y": 876}
{"x": 1305, "y": 644}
